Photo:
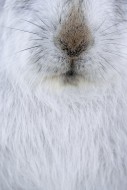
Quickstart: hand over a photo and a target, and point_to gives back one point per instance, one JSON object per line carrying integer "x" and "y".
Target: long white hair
{"x": 57, "y": 130}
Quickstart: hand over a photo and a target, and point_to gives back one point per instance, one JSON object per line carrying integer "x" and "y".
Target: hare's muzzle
{"x": 74, "y": 36}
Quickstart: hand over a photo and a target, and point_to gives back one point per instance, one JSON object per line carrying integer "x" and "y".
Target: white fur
{"x": 56, "y": 136}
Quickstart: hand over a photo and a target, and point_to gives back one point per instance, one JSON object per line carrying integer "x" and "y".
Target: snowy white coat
{"x": 56, "y": 136}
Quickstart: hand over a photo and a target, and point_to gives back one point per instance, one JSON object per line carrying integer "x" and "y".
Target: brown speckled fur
{"x": 74, "y": 35}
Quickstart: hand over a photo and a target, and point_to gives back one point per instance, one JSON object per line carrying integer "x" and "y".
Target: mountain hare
{"x": 63, "y": 95}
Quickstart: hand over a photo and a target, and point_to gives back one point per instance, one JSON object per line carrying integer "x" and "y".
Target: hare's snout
{"x": 74, "y": 36}
{"x": 70, "y": 43}
{"x": 73, "y": 39}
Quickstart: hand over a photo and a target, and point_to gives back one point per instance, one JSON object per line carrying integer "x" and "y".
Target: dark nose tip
{"x": 76, "y": 49}
{"x": 74, "y": 36}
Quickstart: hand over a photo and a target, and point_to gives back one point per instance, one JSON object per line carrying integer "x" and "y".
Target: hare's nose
{"x": 74, "y": 36}
{"x": 74, "y": 49}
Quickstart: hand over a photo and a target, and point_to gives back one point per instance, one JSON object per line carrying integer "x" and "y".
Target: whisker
{"x": 41, "y": 20}
{"x": 117, "y": 53}
{"x": 117, "y": 44}
{"x": 111, "y": 27}
{"x": 22, "y": 30}
{"x": 102, "y": 23}
{"x": 116, "y": 32}
{"x": 111, "y": 39}
{"x": 38, "y": 53}
{"x": 34, "y": 24}
{"x": 41, "y": 39}
{"x": 103, "y": 67}
{"x": 28, "y": 48}
{"x": 39, "y": 59}
{"x": 109, "y": 64}
{"x": 36, "y": 39}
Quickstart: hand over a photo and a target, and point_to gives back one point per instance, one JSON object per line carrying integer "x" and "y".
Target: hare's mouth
{"x": 70, "y": 74}
{"x": 71, "y": 77}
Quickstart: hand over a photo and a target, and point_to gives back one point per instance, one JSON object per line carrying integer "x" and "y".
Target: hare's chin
{"x": 69, "y": 78}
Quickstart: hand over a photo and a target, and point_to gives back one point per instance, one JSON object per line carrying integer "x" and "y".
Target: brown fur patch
{"x": 74, "y": 35}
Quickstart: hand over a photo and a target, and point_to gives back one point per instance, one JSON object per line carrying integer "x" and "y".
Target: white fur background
{"x": 55, "y": 136}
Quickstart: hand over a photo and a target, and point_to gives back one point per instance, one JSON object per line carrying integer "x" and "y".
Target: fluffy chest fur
{"x": 70, "y": 142}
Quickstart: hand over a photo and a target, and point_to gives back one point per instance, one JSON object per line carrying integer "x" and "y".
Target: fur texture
{"x": 60, "y": 131}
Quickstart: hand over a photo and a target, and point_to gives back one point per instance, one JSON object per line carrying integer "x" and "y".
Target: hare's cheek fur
{"x": 64, "y": 40}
